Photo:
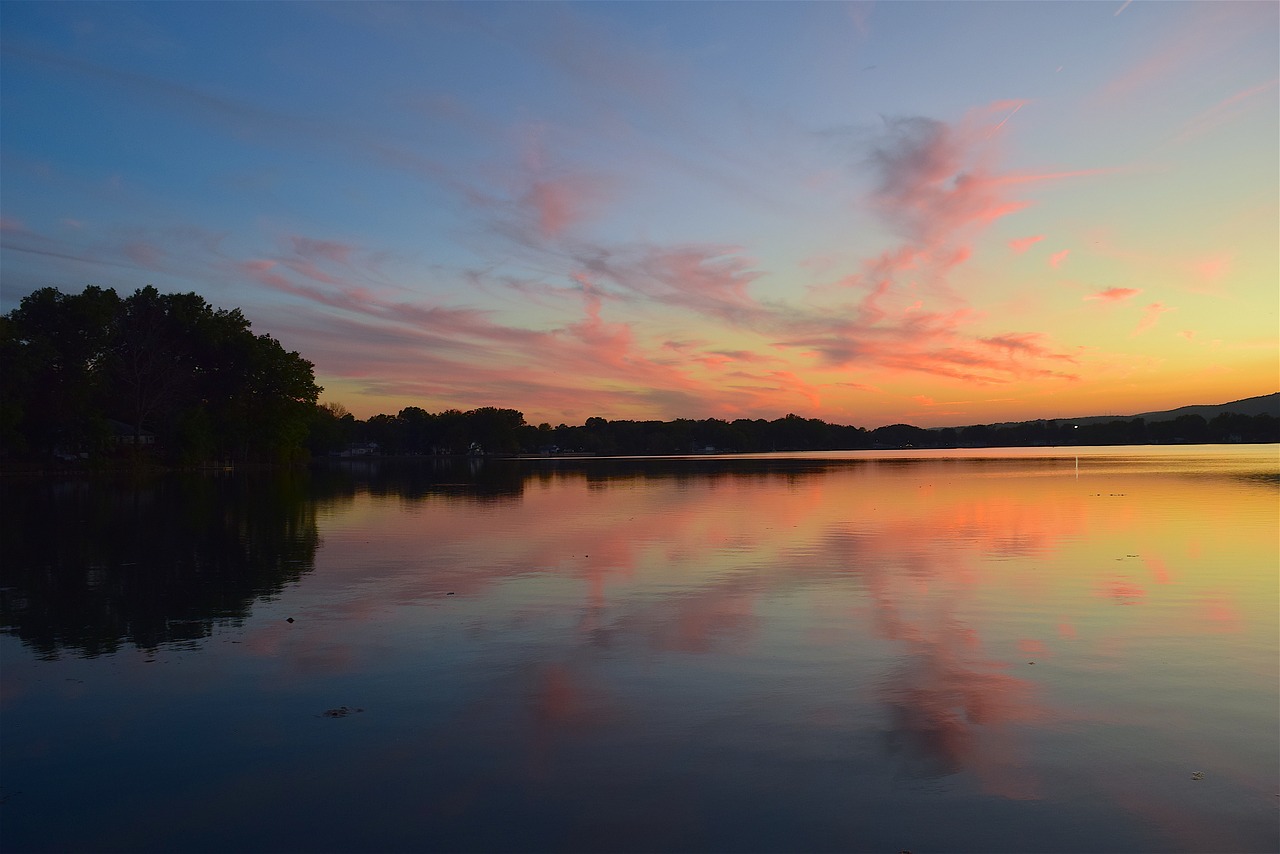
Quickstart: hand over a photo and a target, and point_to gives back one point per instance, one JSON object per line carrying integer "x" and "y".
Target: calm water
{"x": 991, "y": 651}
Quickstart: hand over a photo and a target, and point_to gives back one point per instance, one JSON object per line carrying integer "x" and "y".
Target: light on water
{"x": 1030, "y": 650}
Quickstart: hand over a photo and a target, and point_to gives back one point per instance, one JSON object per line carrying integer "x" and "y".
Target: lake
{"x": 1024, "y": 650}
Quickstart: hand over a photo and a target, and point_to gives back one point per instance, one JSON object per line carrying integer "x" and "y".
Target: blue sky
{"x": 923, "y": 212}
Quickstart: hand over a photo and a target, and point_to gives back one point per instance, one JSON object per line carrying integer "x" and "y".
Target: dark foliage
{"x": 95, "y": 374}
{"x": 415, "y": 431}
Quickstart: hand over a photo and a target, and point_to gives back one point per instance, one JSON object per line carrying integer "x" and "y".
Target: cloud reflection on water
{"x": 697, "y": 564}
{"x": 662, "y": 640}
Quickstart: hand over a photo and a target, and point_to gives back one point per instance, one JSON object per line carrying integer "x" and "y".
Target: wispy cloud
{"x": 1214, "y": 268}
{"x": 1029, "y": 343}
{"x": 1151, "y": 316}
{"x": 1022, "y": 244}
{"x": 1209, "y": 32}
{"x": 560, "y": 203}
{"x": 936, "y": 180}
{"x": 1228, "y": 109}
{"x": 1115, "y": 294}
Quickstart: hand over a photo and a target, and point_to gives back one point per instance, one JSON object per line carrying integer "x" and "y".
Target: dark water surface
{"x": 968, "y": 651}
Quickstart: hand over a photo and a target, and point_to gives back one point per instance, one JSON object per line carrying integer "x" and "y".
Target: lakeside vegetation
{"x": 164, "y": 376}
{"x": 97, "y": 379}
{"x": 414, "y": 431}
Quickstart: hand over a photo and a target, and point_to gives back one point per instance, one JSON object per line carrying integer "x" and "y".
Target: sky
{"x": 869, "y": 213}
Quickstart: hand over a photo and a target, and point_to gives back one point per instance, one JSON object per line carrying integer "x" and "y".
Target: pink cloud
{"x": 1151, "y": 316}
{"x": 331, "y": 263}
{"x": 860, "y": 387}
{"x": 1014, "y": 179}
{"x": 260, "y": 270}
{"x": 1056, "y": 259}
{"x": 789, "y": 383}
{"x": 938, "y": 185}
{"x": 1188, "y": 334}
{"x": 1028, "y": 343}
{"x": 559, "y": 203}
{"x": 719, "y": 359}
{"x": 311, "y": 271}
{"x": 935, "y": 180}
{"x": 711, "y": 280}
{"x": 1017, "y": 106}
{"x": 1158, "y": 65}
{"x": 1226, "y": 110}
{"x": 1022, "y": 244}
{"x": 1213, "y": 269}
{"x": 924, "y": 342}
{"x": 405, "y": 347}
{"x": 552, "y": 200}
{"x": 1209, "y": 32}
{"x": 966, "y": 364}
{"x": 745, "y": 356}
{"x": 12, "y": 225}
{"x": 1115, "y": 294}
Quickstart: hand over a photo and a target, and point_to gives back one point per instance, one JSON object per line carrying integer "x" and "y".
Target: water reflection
{"x": 92, "y": 565}
{"x": 415, "y": 478}
{"x": 748, "y": 654}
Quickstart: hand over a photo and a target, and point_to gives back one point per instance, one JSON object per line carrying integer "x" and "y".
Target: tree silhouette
{"x": 168, "y": 364}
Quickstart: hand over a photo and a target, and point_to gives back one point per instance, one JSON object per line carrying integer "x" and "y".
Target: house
{"x": 125, "y": 434}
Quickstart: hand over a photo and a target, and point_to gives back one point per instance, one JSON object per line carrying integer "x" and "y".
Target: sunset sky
{"x": 937, "y": 213}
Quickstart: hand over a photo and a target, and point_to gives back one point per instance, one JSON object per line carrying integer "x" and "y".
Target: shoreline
{"x": 37, "y": 469}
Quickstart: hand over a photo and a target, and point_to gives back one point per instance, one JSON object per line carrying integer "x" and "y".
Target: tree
{"x": 281, "y": 392}
{"x": 170, "y": 364}
{"x": 496, "y": 430}
{"x": 332, "y": 428}
{"x": 156, "y": 357}
{"x": 58, "y": 344}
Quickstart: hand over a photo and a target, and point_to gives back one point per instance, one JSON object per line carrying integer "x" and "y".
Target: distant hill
{"x": 1267, "y": 404}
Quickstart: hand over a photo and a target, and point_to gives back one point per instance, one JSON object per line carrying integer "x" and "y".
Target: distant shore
{"x": 145, "y": 468}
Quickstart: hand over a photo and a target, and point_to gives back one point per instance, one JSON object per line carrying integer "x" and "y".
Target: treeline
{"x": 491, "y": 430}
{"x": 94, "y": 375}
{"x": 167, "y": 377}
